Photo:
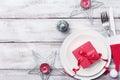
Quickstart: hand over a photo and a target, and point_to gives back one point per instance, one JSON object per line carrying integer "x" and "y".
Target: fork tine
{"x": 102, "y": 17}
{"x": 107, "y": 18}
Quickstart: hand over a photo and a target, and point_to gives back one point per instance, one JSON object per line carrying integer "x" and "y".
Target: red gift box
{"x": 86, "y": 55}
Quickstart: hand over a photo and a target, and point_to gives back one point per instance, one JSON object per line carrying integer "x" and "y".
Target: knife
{"x": 112, "y": 23}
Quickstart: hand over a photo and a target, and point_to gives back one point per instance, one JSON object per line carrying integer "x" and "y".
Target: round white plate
{"x": 75, "y": 40}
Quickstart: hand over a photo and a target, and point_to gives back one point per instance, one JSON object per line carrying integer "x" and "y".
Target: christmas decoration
{"x": 86, "y": 7}
{"x": 46, "y": 69}
{"x": 63, "y": 26}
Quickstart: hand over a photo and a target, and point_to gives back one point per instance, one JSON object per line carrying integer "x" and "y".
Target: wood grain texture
{"x": 17, "y": 60}
{"x": 27, "y": 25}
{"x": 22, "y": 75}
{"x": 20, "y": 55}
{"x": 49, "y": 9}
{"x": 42, "y": 30}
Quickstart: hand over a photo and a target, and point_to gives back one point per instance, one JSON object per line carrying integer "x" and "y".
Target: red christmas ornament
{"x": 45, "y": 68}
{"x": 85, "y": 4}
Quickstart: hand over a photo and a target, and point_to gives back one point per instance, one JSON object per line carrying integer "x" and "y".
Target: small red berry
{"x": 45, "y": 68}
{"x": 85, "y": 4}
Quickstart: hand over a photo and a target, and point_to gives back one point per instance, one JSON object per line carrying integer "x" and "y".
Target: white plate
{"x": 75, "y": 40}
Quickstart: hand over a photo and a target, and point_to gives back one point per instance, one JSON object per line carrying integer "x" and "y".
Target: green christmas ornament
{"x": 63, "y": 26}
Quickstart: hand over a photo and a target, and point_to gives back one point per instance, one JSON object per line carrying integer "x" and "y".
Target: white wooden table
{"x": 27, "y": 25}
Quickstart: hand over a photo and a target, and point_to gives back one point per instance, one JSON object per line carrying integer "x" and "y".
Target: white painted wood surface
{"x": 48, "y": 8}
{"x": 27, "y": 25}
{"x": 36, "y": 30}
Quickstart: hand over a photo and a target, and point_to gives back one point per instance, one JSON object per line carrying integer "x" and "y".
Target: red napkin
{"x": 115, "y": 49}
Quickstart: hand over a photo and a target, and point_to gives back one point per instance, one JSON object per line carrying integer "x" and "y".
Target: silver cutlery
{"x": 112, "y": 22}
{"x": 106, "y": 24}
{"x": 109, "y": 26}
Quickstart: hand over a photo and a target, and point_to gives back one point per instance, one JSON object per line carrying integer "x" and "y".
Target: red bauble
{"x": 85, "y": 4}
{"x": 45, "y": 68}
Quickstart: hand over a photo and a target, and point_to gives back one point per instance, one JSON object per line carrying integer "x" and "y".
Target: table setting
{"x": 78, "y": 41}
{"x": 89, "y": 51}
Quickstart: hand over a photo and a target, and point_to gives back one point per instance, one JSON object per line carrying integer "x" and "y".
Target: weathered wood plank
{"x": 40, "y": 30}
{"x": 20, "y": 56}
{"x": 23, "y": 75}
{"x": 16, "y": 60}
{"x": 49, "y": 9}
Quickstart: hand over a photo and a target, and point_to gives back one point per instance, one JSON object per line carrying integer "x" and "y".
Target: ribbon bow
{"x": 90, "y": 57}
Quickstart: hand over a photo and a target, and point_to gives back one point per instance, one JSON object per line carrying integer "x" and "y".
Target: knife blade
{"x": 112, "y": 23}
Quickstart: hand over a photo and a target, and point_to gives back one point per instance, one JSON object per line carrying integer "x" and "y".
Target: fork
{"x": 106, "y": 24}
